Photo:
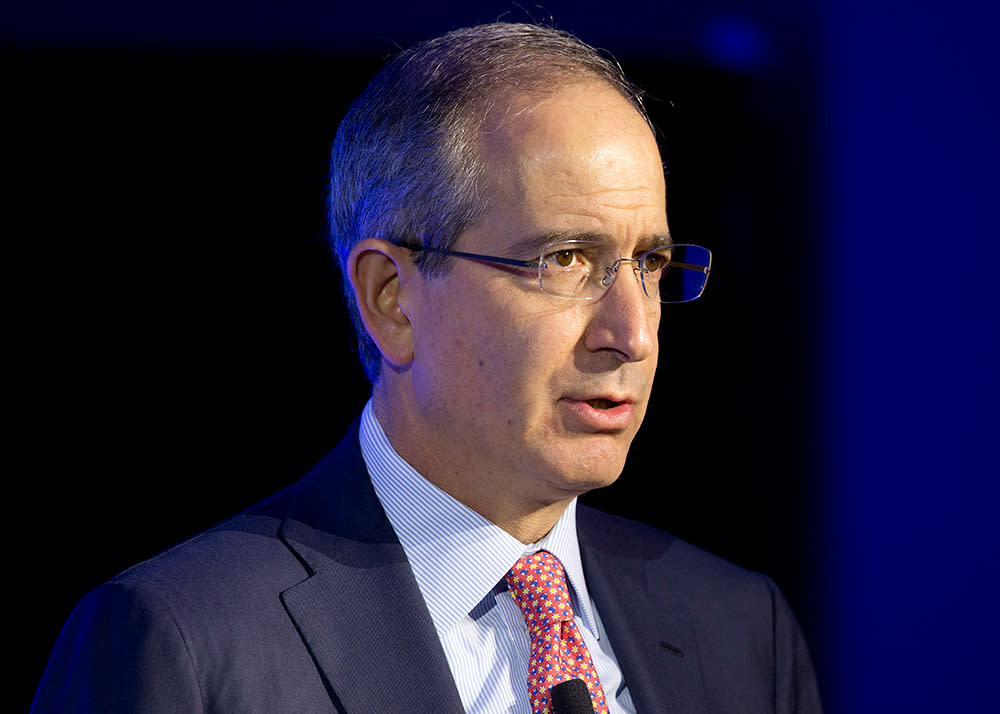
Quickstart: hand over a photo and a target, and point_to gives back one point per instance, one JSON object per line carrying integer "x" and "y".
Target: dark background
{"x": 824, "y": 414}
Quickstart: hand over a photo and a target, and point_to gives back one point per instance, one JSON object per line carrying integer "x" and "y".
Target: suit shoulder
{"x": 228, "y": 557}
{"x": 199, "y": 627}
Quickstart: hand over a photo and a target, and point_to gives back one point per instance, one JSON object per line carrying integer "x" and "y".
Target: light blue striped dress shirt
{"x": 480, "y": 627}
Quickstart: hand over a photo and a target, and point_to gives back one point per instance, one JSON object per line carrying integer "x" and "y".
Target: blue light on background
{"x": 909, "y": 164}
{"x": 735, "y": 43}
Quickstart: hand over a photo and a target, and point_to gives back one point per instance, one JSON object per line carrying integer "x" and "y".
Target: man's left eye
{"x": 565, "y": 257}
{"x": 654, "y": 262}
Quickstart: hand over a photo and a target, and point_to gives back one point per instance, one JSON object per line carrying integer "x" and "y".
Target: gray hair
{"x": 406, "y": 164}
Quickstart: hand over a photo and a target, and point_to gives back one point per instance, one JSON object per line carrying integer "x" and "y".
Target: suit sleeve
{"x": 120, "y": 651}
{"x": 795, "y": 687}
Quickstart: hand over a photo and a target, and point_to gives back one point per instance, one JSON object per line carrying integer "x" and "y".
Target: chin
{"x": 591, "y": 475}
{"x": 575, "y": 464}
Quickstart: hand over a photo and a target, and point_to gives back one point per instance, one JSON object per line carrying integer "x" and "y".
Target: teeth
{"x": 600, "y": 403}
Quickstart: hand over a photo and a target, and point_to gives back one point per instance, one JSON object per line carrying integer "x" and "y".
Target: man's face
{"x": 524, "y": 397}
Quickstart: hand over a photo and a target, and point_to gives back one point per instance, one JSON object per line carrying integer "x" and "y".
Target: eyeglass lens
{"x": 584, "y": 270}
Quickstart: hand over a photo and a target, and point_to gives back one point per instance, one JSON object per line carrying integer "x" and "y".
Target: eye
{"x": 564, "y": 258}
{"x": 654, "y": 262}
{"x": 574, "y": 257}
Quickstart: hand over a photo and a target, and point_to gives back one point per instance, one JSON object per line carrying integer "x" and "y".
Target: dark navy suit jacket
{"x": 306, "y": 603}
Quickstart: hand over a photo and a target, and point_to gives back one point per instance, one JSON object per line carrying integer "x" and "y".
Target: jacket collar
{"x": 648, "y": 627}
{"x": 360, "y": 612}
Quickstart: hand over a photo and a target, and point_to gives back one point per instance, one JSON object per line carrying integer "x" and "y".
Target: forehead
{"x": 577, "y": 161}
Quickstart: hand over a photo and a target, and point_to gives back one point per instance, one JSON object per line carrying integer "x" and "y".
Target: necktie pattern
{"x": 558, "y": 652}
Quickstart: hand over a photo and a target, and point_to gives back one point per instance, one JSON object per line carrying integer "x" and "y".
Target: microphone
{"x": 571, "y": 697}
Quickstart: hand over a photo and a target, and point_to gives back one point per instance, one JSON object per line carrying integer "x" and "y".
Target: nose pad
{"x": 611, "y": 272}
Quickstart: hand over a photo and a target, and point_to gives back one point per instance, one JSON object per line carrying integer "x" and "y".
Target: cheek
{"x": 508, "y": 352}
{"x": 505, "y": 363}
{"x": 536, "y": 366}
{"x": 467, "y": 362}
{"x": 513, "y": 366}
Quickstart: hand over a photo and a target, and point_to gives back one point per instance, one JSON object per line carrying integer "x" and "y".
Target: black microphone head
{"x": 571, "y": 697}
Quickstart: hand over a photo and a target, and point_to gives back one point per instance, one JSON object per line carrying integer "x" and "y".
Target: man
{"x": 498, "y": 210}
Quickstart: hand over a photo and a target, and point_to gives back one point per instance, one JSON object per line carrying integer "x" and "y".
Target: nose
{"x": 624, "y": 320}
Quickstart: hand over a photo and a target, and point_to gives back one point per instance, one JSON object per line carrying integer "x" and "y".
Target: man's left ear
{"x": 376, "y": 269}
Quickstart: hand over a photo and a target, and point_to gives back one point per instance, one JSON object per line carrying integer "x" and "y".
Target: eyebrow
{"x": 534, "y": 244}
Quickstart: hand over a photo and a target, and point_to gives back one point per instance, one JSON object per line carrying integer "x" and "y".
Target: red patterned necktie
{"x": 558, "y": 653}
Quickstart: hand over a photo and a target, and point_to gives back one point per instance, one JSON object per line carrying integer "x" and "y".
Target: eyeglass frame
{"x": 610, "y": 271}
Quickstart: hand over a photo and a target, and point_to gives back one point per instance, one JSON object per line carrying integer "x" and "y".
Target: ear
{"x": 376, "y": 270}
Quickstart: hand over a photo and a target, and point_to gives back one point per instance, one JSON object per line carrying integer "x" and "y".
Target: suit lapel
{"x": 361, "y": 613}
{"x": 647, "y": 627}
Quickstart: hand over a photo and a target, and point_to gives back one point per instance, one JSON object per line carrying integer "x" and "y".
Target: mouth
{"x": 603, "y": 403}
{"x": 601, "y": 414}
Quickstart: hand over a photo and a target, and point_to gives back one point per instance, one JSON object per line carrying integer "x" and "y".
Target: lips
{"x": 599, "y": 414}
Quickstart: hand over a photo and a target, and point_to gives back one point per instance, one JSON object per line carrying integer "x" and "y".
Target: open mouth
{"x": 602, "y": 403}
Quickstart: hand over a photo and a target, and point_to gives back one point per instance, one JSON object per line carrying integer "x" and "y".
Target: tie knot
{"x": 538, "y": 585}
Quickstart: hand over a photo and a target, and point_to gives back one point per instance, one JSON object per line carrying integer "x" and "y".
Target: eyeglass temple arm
{"x": 689, "y": 266}
{"x": 475, "y": 256}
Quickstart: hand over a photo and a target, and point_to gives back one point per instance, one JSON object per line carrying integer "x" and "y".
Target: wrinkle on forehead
{"x": 612, "y": 198}
{"x": 599, "y": 191}
{"x": 615, "y": 198}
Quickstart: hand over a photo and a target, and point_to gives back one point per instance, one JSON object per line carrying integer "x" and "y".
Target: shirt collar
{"x": 457, "y": 555}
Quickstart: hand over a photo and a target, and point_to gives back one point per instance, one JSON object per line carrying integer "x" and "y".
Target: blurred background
{"x": 827, "y": 413}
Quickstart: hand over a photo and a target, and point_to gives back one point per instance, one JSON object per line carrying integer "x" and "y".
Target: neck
{"x": 484, "y": 491}
{"x": 526, "y": 527}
